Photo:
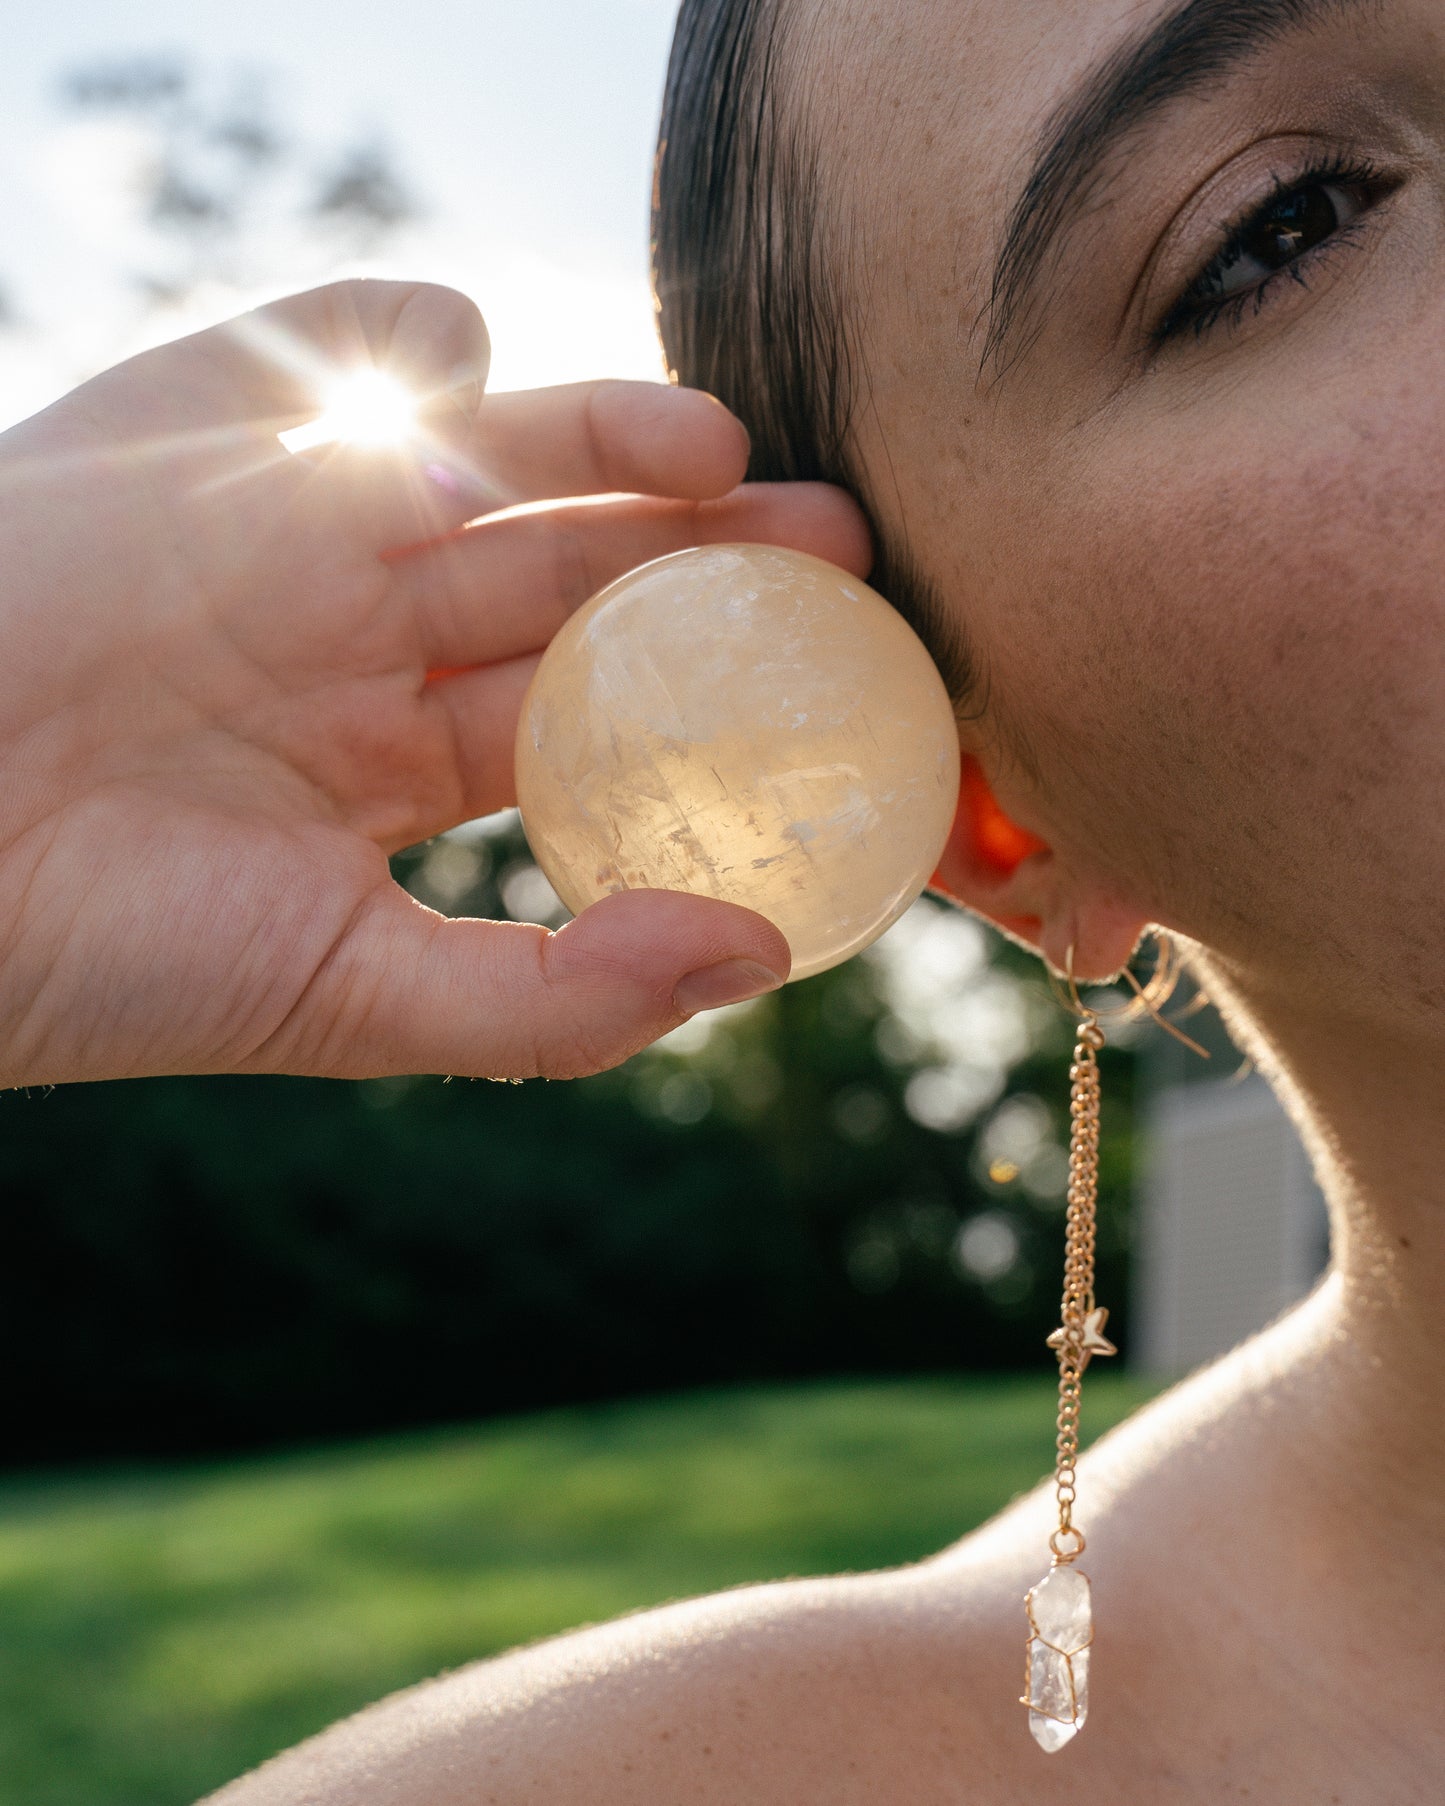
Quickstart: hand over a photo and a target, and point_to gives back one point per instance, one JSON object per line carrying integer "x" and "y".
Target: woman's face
{"x": 1177, "y": 457}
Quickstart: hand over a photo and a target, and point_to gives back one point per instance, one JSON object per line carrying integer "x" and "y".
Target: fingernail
{"x": 733, "y": 981}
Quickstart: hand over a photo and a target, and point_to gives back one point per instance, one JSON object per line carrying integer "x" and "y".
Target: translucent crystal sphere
{"x": 744, "y": 723}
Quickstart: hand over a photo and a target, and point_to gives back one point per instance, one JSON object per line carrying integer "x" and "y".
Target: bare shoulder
{"x": 898, "y": 1685}
{"x": 845, "y": 1690}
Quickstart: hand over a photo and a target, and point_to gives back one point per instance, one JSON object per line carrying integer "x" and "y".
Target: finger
{"x": 219, "y": 398}
{"x": 603, "y": 438}
{"x": 479, "y": 710}
{"x": 504, "y": 586}
{"x": 405, "y": 990}
{"x": 283, "y": 358}
{"x": 384, "y": 497}
{"x": 432, "y": 343}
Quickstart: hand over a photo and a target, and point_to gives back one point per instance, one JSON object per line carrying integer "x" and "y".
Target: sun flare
{"x": 363, "y": 407}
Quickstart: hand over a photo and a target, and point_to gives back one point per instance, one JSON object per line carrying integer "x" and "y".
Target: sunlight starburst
{"x": 364, "y": 407}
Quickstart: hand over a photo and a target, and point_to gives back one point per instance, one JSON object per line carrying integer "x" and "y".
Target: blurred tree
{"x": 228, "y": 197}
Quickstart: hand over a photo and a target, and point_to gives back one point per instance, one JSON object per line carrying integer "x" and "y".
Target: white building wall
{"x": 1230, "y": 1225}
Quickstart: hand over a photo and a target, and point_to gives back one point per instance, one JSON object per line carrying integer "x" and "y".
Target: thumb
{"x": 406, "y": 990}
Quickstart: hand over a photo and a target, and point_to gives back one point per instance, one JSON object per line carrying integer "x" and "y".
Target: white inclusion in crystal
{"x": 1060, "y": 1610}
{"x": 1061, "y": 1625}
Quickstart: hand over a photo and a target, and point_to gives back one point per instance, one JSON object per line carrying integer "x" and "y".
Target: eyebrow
{"x": 1197, "y": 43}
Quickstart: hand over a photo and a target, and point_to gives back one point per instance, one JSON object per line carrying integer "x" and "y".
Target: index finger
{"x": 608, "y": 437}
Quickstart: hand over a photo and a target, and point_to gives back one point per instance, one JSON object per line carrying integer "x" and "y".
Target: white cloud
{"x": 93, "y": 173}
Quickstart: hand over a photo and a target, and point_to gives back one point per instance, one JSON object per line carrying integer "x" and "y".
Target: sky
{"x": 525, "y": 127}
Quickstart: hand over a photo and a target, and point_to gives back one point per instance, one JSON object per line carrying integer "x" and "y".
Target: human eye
{"x": 1302, "y": 219}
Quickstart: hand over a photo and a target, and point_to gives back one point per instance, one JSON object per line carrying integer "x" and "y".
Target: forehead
{"x": 933, "y": 45}
{"x": 976, "y": 77}
{"x": 925, "y": 115}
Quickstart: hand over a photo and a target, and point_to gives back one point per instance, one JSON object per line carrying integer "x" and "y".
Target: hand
{"x": 226, "y": 697}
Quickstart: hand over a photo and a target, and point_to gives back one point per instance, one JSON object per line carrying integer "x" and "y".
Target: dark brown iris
{"x": 1299, "y": 222}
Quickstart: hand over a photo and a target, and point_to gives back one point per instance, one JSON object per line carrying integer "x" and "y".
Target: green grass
{"x": 161, "y": 1631}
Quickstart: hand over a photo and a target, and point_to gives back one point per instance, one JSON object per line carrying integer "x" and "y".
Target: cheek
{"x": 1229, "y": 663}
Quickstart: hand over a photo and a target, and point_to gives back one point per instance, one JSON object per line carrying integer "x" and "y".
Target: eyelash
{"x": 1197, "y": 313}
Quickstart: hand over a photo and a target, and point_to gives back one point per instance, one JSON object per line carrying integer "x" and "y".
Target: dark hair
{"x": 749, "y": 270}
{"x": 745, "y": 307}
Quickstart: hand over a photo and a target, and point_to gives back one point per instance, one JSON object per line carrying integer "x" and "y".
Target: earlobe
{"x": 980, "y": 865}
{"x": 994, "y": 841}
{"x": 1011, "y": 876}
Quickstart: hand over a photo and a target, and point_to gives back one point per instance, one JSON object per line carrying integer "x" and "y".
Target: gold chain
{"x": 1067, "y": 1542}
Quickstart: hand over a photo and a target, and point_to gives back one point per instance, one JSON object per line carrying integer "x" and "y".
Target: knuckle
{"x": 434, "y": 322}
{"x": 598, "y": 428}
{"x": 572, "y": 575}
{"x": 568, "y": 1044}
{"x": 577, "y": 1053}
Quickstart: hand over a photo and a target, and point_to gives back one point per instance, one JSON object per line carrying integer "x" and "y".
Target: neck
{"x": 1371, "y": 1109}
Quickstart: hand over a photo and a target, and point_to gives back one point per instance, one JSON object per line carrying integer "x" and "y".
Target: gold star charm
{"x": 1093, "y": 1341}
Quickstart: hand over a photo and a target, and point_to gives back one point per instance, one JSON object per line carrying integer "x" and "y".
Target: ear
{"x": 1012, "y": 877}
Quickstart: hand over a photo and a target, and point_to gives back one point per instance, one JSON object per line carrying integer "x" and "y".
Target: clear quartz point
{"x": 1061, "y": 1628}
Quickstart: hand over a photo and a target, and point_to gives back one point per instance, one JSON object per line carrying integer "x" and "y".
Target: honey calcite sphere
{"x": 744, "y": 723}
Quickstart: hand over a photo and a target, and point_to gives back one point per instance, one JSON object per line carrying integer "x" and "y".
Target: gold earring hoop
{"x": 1060, "y": 1607}
{"x": 1148, "y": 1000}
